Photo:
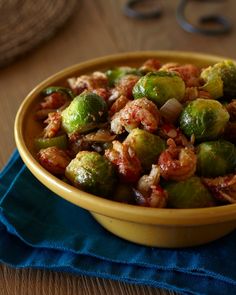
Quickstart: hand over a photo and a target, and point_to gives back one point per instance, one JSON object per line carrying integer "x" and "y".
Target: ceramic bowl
{"x": 148, "y": 226}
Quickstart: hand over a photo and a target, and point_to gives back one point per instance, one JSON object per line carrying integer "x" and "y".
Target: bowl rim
{"x": 106, "y": 207}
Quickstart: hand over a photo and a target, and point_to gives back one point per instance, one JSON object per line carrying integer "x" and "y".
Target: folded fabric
{"x": 39, "y": 229}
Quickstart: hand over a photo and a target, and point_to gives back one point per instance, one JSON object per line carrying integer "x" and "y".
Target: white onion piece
{"x": 100, "y": 136}
{"x": 171, "y": 110}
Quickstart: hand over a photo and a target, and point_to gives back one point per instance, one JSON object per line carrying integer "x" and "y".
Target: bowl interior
{"x": 27, "y": 128}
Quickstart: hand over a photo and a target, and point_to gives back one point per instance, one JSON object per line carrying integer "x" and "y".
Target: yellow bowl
{"x": 148, "y": 226}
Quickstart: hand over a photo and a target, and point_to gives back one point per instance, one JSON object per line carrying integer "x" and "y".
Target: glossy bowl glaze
{"x": 148, "y": 226}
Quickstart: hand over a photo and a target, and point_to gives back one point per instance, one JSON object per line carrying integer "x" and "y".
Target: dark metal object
{"x": 131, "y": 11}
{"x": 223, "y": 25}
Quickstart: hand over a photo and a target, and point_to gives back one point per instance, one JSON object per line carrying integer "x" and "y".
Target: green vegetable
{"x": 224, "y": 71}
{"x": 189, "y": 193}
{"x": 216, "y": 158}
{"x": 205, "y": 118}
{"x": 58, "y": 141}
{"x": 147, "y": 146}
{"x": 115, "y": 74}
{"x": 159, "y": 87}
{"x": 84, "y": 113}
{"x": 49, "y": 90}
{"x": 214, "y": 83}
{"x": 92, "y": 173}
{"x": 124, "y": 194}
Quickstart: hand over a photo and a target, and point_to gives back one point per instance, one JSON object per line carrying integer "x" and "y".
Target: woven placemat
{"x": 26, "y": 23}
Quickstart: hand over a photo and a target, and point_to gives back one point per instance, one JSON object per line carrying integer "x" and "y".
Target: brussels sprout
{"x": 213, "y": 83}
{"x": 115, "y": 74}
{"x": 159, "y": 87}
{"x": 49, "y": 90}
{"x": 147, "y": 146}
{"x": 84, "y": 113}
{"x": 92, "y": 173}
{"x": 216, "y": 158}
{"x": 224, "y": 71}
{"x": 204, "y": 118}
{"x": 189, "y": 193}
{"x": 123, "y": 194}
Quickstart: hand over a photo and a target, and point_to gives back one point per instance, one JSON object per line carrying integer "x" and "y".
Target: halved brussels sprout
{"x": 189, "y": 193}
{"x": 147, "y": 146}
{"x": 159, "y": 87}
{"x": 91, "y": 172}
{"x": 221, "y": 79}
{"x": 115, "y": 74}
{"x": 84, "y": 113}
{"x": 216, "y": 158}
{"x": 204, "y": 118}
{"x": 213, "y": 83}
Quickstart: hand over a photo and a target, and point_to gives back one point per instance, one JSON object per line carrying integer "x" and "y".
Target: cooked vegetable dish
{"x": 159, "y": 135}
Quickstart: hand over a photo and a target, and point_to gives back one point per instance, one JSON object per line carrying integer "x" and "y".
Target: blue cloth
{"x": 41, "y": 230}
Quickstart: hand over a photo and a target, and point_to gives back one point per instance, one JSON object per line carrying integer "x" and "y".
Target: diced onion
{"x": 171, "y": 110}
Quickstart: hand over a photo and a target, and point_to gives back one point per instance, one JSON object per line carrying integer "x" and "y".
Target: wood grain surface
{"x": 97, "y": 28}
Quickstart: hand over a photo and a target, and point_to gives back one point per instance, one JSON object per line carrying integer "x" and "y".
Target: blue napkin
{"x": 41, "y": 230}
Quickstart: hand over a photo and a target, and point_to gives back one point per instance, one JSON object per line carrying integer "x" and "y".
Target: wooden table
{"x": 97, "y": 28}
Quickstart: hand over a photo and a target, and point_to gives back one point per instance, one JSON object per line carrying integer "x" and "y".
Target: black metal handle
{"x": 131, "y": 11}
{"x": 224, "y": 25}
